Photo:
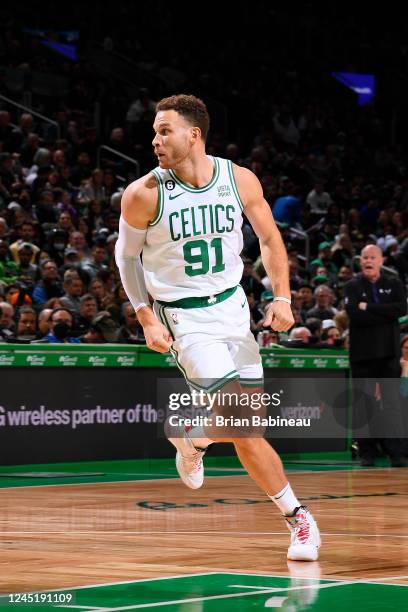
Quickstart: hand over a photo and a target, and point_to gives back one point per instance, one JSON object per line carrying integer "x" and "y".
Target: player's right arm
{"x": 138, "y": 208}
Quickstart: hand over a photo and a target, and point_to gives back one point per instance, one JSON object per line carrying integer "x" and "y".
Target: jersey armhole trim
{"x": 160, "y": 202}
{"x": 234, "y": 185}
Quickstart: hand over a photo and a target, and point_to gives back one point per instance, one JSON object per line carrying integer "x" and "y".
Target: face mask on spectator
{"x": 61, "y": 330}
{"x": 59, "y": 246}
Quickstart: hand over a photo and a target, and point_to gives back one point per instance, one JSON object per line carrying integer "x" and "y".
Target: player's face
{"x": 173, "y": 140}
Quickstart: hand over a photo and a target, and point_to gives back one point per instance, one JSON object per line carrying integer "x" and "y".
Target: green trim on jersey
{"x": 199, "y": 189}
{"x": 233, "y": 375}
{"x": 234, "y": 184}
{"x": 172, "y": 350}
{"x": 200, "y": 302}
{"x": 251, "y": 382}
{"x": 160, "y": 206}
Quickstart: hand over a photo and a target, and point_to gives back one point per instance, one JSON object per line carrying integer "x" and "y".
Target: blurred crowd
{"x": 332, "y": 173}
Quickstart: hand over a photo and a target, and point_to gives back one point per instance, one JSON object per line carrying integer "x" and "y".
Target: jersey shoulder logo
{"x": 170, "y": 184}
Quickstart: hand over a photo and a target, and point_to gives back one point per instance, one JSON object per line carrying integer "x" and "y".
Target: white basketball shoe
{"x": 189, "y": 460}
{"x": 305, "y": 537}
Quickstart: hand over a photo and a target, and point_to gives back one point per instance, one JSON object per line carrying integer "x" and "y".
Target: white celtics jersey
{"x": 193, "y": 245}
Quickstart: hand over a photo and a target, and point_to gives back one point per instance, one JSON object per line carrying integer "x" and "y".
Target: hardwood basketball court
{"x": 130, "y": 536}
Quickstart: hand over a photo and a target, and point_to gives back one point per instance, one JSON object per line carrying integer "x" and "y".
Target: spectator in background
{"x": 6, "y": 320}
{"x": 29, "y": 150}
{"x": 345, "y": 274}
{"x": 109, "y": 278}
{"x": 83, "y": 170}
{"x": 17, "y": 295}
{"x": 65, "y": 222}
{"x": 331, "y": 336}
{"x": 131, "y": 332}
{"x": 286, "y": 209}
{"x": 323, "y": 309}
{"x": 93, "y": 188}
{"x": 115, "y": 302}
{"x": 98, "y": 289}
{"x": 50, "y": 285}
{"x": 40, "y": 167}
{"x": 341, "y": 321}
{"x": 20, "y": 134}
{"x": 56, "y": 245}
{"x": 250, "y": 281}
{"x": 300, "y": 336}
{"x": 255, "y": 313}
{"x": 314, "y": 325}
{"x": 115, "y": 201}
{"x": 294, "y": 279}
{"x": 324, "y": 259}
{"x": 96, "y": 263}
{"x": 285, "y": 127}
{"x": 26, "y": 233}
{"x": 78, "y": 241}
{"x": 44, "y": 322}
{"x": 53, "y": 303}
{"x": 297, "y": 316}
{"x": 88, "y": 309}
{"x": 26, "y": 324}
{"x": 29, "y": 272}
{"x": 318, "y": 199}
{"x": 61, "y": 325}
{"x": 73, "y": 287}
{"x": 95, "y": 220}
{"x": 9, "y": 270}
{"x": 110, "y": 245}
{"x": 306, "y": 293}
{"x": 103, "y": 329}
{"x": 142, "y": 104}
{"x": 342, "y": 251}
{"x": 72, "y": 261}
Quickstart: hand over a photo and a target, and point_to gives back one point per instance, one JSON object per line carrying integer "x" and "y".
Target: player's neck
{"x": 195, "y": 171}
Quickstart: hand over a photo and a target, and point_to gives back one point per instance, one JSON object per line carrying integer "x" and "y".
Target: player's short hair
{"x": 191, "y": 108}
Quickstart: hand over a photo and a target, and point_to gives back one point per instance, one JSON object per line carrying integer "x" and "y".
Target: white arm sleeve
{"x": 129, "y": 245}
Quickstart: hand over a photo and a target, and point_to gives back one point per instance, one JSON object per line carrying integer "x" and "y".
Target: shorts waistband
{"x": 200, "y": 302}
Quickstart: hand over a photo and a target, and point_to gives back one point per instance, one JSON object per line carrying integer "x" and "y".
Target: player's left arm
{"x": 274, "y": 257}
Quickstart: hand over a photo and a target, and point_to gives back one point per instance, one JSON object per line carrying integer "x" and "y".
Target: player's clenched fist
{"x": 157, "y": 337}
{"x": 279, "y": 316}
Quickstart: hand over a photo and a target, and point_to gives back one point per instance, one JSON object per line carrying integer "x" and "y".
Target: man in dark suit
{"x": 374, "y": 302}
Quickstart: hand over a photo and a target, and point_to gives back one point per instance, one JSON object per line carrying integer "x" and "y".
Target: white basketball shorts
{"x": 214, "y": 344}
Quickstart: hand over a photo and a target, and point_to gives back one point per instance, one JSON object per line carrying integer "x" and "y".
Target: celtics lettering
{"x": 201, "y": 220}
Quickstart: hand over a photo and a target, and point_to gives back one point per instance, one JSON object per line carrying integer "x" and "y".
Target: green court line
{"x": 212, "y": 591}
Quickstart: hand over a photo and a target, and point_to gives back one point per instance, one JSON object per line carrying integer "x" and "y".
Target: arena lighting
{"x": 69, "y": 51}
{"x": 51, "y": 38}
{"x": 362, "y": 84}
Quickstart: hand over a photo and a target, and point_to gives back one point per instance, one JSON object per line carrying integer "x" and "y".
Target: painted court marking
{"x": 320, "y": 583}
{"x": 255, "y": 590}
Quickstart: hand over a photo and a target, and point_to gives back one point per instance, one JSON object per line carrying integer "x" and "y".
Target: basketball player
{"x": 186, "y": 217}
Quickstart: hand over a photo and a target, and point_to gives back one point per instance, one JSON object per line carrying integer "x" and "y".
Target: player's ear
{"x": 195, "y": 134}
